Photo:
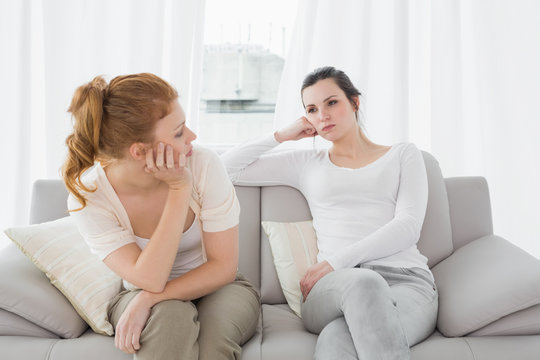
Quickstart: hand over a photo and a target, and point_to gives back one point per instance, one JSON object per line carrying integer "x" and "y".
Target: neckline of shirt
{"x": 183, "y": 234}
{"x": 373, "y": 163}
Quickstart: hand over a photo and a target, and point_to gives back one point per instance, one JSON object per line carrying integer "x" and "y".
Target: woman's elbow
{"x": 151, "y": 285}
{"x": 154, "y": 289}
{"x": 228, "y": 271}
{"x": 231, "y": 275}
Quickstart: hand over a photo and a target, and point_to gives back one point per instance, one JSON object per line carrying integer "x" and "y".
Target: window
{"x": 244, "y": 52}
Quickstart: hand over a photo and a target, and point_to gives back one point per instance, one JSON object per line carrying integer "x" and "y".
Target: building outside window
{"x": 245, "y": 49}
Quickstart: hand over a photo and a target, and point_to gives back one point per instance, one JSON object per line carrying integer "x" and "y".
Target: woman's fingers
{"x": 150, "y": 160}
{"x": 117, "y": 339}
{"x": 135, "y": 340}
{"x": 182, "y": 160}
{"x": 129, "y": 341}
{"x": 170, "y": 157}
{"x": 159, "y": 156}
{"x": 164, "y": 158}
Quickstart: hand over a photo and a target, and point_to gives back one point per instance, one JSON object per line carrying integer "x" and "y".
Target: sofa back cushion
{"x": 436, "y": 236}
{"x": 49, "y": 201}
{"x": 250, "y": 233}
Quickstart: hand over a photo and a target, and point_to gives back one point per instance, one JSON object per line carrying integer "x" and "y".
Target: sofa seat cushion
{"x": 476, "y": 348}
{"x": 442, "y": 348}
{"x": 26, "y": 348}
{"x": 482, "y": 282}
{"x": 284, "y": 336}
{"x": 87, "y": 347}
{"x": 26, "y": 291}
{"x": 524, "y": 322}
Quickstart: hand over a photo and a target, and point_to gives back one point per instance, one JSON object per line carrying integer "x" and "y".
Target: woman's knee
{"x": 363, "y": 283}
{"x": 173, "y": 316}
{"x": 171, "y": 332}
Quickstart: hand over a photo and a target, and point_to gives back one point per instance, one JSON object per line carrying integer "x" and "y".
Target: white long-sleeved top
{"x": 370, "y": 215}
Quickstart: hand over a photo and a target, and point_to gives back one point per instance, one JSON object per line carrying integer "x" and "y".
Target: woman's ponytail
{"x": 83, "y": 144}
{"x": 109, "y": 118}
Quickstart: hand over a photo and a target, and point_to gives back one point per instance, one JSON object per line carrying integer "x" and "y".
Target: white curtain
{"x": 458, "y": 78}
{"x": 51, "y": 47}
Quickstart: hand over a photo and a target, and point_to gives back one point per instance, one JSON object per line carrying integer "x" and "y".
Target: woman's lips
{"x": 190, "y": 152}
{"x": 328, "y": 128}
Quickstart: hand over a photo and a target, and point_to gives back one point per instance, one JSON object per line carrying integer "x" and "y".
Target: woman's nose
{"x": 192, "y": 136}
{"x": 324, "y": 116}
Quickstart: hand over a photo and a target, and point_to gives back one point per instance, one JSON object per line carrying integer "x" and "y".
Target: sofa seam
{"x": 51, "y": 347}
{"x": 470, "y": 348}
{"x": 262, "y": 333}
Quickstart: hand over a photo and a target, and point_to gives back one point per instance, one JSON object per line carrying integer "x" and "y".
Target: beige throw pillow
{"x": 57, "y": 249}
{"x": 294, "y": 249}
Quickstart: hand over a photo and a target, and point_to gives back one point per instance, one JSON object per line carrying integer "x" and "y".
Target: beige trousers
{"x": 213, "y": 327}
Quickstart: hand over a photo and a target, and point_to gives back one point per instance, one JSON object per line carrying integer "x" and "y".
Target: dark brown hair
{"x": 340, "y": 78}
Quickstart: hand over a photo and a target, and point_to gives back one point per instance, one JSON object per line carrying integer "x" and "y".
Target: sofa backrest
{"x": 469, "y": 214}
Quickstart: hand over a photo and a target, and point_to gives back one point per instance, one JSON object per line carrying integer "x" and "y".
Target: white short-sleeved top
{"x": 105, "y": 225}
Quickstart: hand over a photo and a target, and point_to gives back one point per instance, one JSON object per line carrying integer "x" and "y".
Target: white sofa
{"x": 489, "y": 289}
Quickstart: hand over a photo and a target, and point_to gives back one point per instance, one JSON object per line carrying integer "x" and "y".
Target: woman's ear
{"x": 137, "y": 151}
{"x": 356, "y": 103}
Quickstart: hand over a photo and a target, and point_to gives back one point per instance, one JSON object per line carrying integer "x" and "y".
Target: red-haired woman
{"x": 163, "y": 215}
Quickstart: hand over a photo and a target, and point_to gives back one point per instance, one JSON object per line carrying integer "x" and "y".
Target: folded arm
{"x": 220, "y": 269}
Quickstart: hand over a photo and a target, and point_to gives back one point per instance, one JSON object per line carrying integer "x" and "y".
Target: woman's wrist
{"x": 147, "y": 298}
{"x": 180, "y": 189}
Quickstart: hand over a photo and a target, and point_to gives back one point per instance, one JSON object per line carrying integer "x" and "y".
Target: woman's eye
{"x": 179, "y": 134}
{"x": 311, "y": 110}
{"x": 332, "y": 102}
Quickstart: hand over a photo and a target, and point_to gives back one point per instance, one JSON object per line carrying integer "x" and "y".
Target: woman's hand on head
{"x": 165, "y": 168}
{"x": 313, "y": 274}
{"x": 132, "y": 322}
{"x": 299, "y": 129}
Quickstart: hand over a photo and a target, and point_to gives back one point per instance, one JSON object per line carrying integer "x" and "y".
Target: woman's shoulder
{"x": 201, "y": 157}
{"x": 206, "y": 167}
{"x": 408, "y": 153}
{"x": 96, "y": 181}
{"x": 406, "y": 147}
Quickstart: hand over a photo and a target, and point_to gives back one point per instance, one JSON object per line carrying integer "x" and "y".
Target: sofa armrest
{"x": 470, "y": 209}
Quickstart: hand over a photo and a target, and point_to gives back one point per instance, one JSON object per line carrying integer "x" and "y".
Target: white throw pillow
{"x": 294, "y": 249}
{"x": 58, "y": 250}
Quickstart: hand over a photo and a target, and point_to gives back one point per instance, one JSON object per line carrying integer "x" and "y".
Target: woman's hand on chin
{"x": 313, "y": 274}
{"x": 299, "y": 129}
{"x": 164, "y": 167}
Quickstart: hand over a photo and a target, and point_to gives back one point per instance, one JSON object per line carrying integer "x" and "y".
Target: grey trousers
{"x": 213, "y": 327}
{"x": 371, "y": 312}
